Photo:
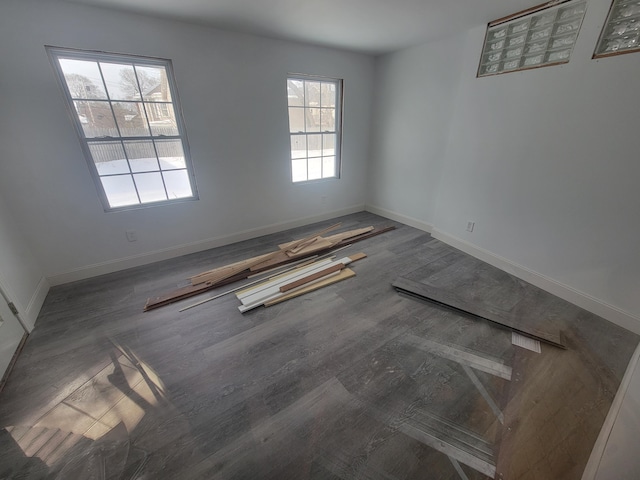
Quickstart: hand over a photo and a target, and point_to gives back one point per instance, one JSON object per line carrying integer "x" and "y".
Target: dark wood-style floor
{"x": 350, "y": 381}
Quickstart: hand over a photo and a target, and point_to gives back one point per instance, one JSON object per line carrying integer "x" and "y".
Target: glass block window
{"x": 537, "y": 37}
{"x": 127, "y": 116}
{"x": 315, "y": 125}
{"x": 621, "y": 33}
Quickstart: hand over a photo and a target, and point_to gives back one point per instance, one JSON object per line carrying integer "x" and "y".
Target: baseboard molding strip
{"x": 35, "y": 304}
{"x": 591, "y": 470}
{"x": 583, "y": 300}
{"x": 116, "y": 265}
{"x": 398, "y": 217}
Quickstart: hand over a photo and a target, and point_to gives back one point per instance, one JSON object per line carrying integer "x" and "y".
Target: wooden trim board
{"x": 192, "y": 290}
{"x": 450, "y": 299}
{"x": 270, "y": 290}
{"x": 343, "y": 275}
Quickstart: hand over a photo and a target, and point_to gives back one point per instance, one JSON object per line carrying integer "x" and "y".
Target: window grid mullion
{"x": 115, "y": 121}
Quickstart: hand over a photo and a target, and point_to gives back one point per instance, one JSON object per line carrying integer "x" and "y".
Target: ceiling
{"x": 367, "y": 26}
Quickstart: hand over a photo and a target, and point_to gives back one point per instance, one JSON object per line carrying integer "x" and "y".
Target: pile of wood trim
{"x": 288, "y": 253}
{"x": 299, "y": 281}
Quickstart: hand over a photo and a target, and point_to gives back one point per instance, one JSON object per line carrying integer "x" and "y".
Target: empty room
{"x": 254, "y": 239}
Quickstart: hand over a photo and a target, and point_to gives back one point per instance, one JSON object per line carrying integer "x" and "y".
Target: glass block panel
{"x": 328, "y": 167}
{"x": 490, "y": 69}
{"x": 170, "y": 154}
{"x": 572, "y": 10}
{"x": 296, "y": 119}
{"x": 121, "y": 81}
{"x": 314, "y": 145}
{"x": 515, "y": 53}
{"x": 561, "y": 42}
{"x": 518, "y": 27}
{"x": 516, "y": 41}
{"x": 511, "y": 64}
{"x": 298, "y": 146}
{"x": 154, "y": 83}
{"x": 177, "y": 183}
{"x": 630, "y": 26}
{"x": 96, "y": 119}
{"x": 83, "y": 79}
{"x": 109, "y": 158}
{"x": 492, "y": 57}
{"x": 498, "y": 33}
{"x": 533, "y": 40}
{"x": 558, "y": 56}
{"x": 150, "y": 187}
{"x": 541, "y": 34}
{"x": 625, "y": 9}
{"x": 119, "y": 190}
{"x": 299, "y": 170}
{"x": 162, "y": 119}
{"x": 315, "y": 169}
{"x": 621, "y": 33}
{"x": 543, "y": 20}
{"x": 142, "y": 156}
{"x": 295, "y": 93}
{"x": 533, "y": 60}
{"x": 131, "y": 118}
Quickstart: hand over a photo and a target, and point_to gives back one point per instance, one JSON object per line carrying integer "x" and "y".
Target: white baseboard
{"x": 35, "y": 304}
{"x": 591, "y": 470}
{"x": 111, "y": 266}
{"x": 583, "y": 300}
{"x": 412, "y": 222}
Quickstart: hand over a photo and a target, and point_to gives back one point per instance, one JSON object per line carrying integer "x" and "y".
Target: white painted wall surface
{"x": 21, "y": 277}
{"x": 233, "y": 93}
{"x": 413, "y": 104}
{"x": 545, "y": 162}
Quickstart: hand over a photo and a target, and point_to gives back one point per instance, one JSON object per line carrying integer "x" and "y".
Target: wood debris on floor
{"x": 517, "y": 321}
{"x": 301, "y": 280}
{"x": 310, "y": 247}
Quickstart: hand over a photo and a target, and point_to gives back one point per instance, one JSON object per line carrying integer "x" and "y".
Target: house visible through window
{"x": 128, "y": 119}
{"x": 314, "y": 127}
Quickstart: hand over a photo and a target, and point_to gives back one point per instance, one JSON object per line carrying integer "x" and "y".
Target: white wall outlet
{"x": 132, "y": 236}
{"x": 470, "y": 226}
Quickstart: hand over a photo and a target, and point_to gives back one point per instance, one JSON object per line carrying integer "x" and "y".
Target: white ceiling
{"x": 368, "y": 26}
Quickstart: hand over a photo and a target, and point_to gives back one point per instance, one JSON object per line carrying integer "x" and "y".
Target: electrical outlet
{"x": 470, "y": 226}
{"x": 132, "y": 236}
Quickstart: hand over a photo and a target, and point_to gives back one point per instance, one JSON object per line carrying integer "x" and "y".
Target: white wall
{"x": 413, "y": 105}
{"x": 233, "y": 93}
{"x": 546, "y": 163}
{"x": 21, "y": 278}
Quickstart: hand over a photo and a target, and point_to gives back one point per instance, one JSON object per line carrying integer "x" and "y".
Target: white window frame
{"x": 337, "y": 131}
{"x": 153, "y": 139}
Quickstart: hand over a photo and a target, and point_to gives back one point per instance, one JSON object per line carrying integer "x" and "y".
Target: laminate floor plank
{"x": 350, "y": 381}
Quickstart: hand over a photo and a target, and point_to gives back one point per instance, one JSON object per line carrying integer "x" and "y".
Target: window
{"x": 315, "y": 127}
{"x": 621, "y": 33}
{"x": 128, "y": 118}
{"x": 537, "y": 37}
